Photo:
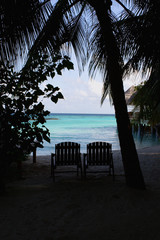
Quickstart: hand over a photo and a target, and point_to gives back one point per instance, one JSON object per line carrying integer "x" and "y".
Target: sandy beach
{"x": 70, "y": 209}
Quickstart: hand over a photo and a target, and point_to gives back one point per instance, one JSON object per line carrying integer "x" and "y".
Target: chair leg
{"x": 80, "y": 170}
{"x": 52, "y": 167}
{"x": 84, "y": 167}
{"x": 81, "y": 173}
{"x": 53, "y": 175}
{"x": 77, "y": 170}
{"x": 113, "y": 173}
{"x": 51, "y": 164}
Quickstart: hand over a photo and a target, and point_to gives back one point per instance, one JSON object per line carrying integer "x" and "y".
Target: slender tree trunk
{"x": 133, "y": 174}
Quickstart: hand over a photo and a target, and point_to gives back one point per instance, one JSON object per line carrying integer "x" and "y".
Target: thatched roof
{"x": 129, "y": 95}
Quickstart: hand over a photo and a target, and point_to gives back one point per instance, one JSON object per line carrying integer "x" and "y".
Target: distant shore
{"x": 52, "y": 118}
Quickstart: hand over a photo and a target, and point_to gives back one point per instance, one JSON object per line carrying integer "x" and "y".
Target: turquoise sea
{"x": 85, "y": 128}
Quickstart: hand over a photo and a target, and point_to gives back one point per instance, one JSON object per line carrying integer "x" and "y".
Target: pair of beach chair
{"x": 68, "y": 154}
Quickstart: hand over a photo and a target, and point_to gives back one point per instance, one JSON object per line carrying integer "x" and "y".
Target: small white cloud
{"x": 83, "y": 93}
{"x": 95, "y": 87}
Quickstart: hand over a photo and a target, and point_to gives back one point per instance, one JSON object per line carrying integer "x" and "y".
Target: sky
{"x": 82, "y": 94}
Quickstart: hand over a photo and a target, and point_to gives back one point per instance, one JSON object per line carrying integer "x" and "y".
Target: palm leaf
{"x": 148, "y": 99}
{"x": 65, "y": 27}
{"x": 21, "y": 22}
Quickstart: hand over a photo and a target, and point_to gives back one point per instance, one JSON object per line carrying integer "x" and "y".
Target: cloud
{"x": 82, "y": 93}
{"x": 95, "y": 87}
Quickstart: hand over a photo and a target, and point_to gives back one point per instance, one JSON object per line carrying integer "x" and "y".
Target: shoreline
{"x": 156, "y": 147}
{"x": 138, "y": 148}
{"x": 149, "y": 158}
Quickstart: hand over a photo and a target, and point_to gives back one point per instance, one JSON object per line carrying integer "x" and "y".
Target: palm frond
{"x": 148, "y": 98}
{"x": 21, "y": 22}
{"x": 140, "y": 42}
{"x": 65, "y": 27}
{"x": 98, "y": 60}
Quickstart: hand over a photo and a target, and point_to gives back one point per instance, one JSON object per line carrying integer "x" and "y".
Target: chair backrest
{"x": 67, "y": 153}
{"x": 99, "y": 153}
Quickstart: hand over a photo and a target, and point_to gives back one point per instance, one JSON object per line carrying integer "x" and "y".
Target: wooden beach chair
{"x": 66, "y": 154}
{"x": 99, "y": 154}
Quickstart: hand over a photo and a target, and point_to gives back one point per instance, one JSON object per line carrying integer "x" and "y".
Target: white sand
{"x": 71, "y": 209}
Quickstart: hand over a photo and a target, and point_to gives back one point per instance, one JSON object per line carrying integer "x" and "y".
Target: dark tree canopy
{"x": 20, "y": 25}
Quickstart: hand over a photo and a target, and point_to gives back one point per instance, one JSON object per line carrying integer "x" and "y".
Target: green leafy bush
{"x": 22, "y": 114}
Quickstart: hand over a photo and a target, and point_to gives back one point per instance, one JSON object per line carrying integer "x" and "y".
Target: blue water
{"x": 85, "y": 128}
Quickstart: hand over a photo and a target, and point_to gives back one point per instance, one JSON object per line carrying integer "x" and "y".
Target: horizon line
{"x": 85, "y": 113}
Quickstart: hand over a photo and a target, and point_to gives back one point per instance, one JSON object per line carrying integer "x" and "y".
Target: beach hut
{"x": 129, "y": 95}
{"x": 138, "y": 125}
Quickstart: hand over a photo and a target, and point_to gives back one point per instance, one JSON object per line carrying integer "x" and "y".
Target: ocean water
{"x": 86, "y": 128}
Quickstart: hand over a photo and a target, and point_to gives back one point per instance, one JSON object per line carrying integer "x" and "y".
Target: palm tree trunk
{"x": 133, "y": 174}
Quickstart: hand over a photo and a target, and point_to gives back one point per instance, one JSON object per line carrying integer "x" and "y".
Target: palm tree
{"x": 143, "y": 51}
{"x": 98, "y": 43}
{"x": 90, "y": 27}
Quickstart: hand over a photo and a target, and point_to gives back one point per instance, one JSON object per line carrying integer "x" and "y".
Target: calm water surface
{"x": 85, "y": 128}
